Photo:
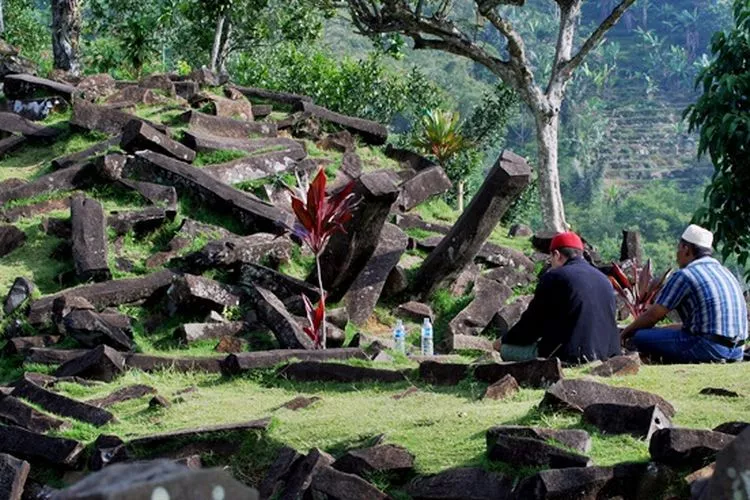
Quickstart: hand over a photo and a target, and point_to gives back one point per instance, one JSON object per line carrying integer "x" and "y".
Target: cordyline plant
{"x": 318, "y": 217}
{"x": 638, "y": 294}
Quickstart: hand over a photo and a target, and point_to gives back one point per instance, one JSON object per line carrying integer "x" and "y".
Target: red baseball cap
{"x": 566, "y": 240}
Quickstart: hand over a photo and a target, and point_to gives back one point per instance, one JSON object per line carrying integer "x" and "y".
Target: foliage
{"x": 440, "y": 135}
{"x": 722, "y": 114}
{"x": 26, "y": 27}
{"x": 639, "y": 293}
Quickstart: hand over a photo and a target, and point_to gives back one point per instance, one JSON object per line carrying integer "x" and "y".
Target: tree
{"x": 430, "y": 25}
{"x": 66, "y": 31}
{"x": 722, "y": 114}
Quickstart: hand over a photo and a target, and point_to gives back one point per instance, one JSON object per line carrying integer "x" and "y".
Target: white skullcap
{"x": 698, "y": 236}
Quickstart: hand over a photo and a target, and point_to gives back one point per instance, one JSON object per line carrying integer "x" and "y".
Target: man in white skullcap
{"x": 709, "y": 301}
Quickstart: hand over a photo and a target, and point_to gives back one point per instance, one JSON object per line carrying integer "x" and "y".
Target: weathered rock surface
{"x": 88, "y": 116}
{"x": 13, "y": 123}
{"x": 370, "y": 132}
{"x": 35, "y": 447}
{"x": 121, "y": 395}
{"x": 637, "y": 421}
{"x": 137, "y": 135}
{"x": 273, "y": 96}
{"x": 502, "y": 389}
{"x": 489, "y": 297}
{"x": 235, "y": 364}
{"x": 226, "y": 127}
{"x": 18, "y": 294}
{"x": 22, "y": 345}
{"x": 199, "y": 295}
{"x": 89, "y": 240}
{"x": 45, "y": 356}
{"x": 11, "y": 238}
{"x": 234, "y": 253}
{"x": 23, "y": 86}
{"x": 13, "y": 411}
{"x": 175, "y": 438}
{"x": 100, "y": 363}
{"x": 733, "y": 428}
{"x": 465, "y": 483}
{"x": 273, "y": 482}
{"x": 62, "y": 405}
{"x": 618, "y": 366}
{"x": 97, "y": 86}
{"x": 385, "y": 458}
{"x": 575, "y": 439}
{"x": 415, "y": 311}
{"x": 683, "y": 447}
{"x": 272, "y": 311}
{"x": 193, "y": 332}
{"x": 141, "y": 222}
{"x": 315, "y": 371}
{"x": 577, "y": 395}
{"x": 522, "y": 451}
{"x": 240, "y": 109}
{"x": 534, "y": 373}
{"x": 301, "y": 474}
{"x": 13, "y": 474}
{"x": 338, "y": 485}
{"x": 155, "y": 194}
{"x": 718, "y": 391}
{"x": 424, "y": 185}
{"x": 188, "y": 364}
{"x": 79, "y": 176}
{"x": 731, "y": 472}
{"x": 257, "y": 166}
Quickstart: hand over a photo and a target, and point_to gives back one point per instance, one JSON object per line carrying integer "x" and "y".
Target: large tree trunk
{"x": 66, "y": 30}
{"x": 225, "y": 47}
{"x": 2, "y": 18}
{"x": 218, "y": 34}
{"x": 461, "y": 191}
{"x": 548, "y": 176}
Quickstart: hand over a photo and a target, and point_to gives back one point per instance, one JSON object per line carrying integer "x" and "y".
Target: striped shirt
{"x": 708, "y": 299}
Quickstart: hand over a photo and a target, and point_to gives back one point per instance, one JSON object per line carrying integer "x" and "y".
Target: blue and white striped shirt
{"x": 708, "y": 299}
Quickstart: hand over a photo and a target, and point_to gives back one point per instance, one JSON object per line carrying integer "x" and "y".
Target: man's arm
{"x": 529, "y": 327}
{"x": 651, "y": 317}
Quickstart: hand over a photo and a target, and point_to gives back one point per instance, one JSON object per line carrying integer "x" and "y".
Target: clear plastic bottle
{"x": 399, "y": 337}
{"x": 427, "y": 348}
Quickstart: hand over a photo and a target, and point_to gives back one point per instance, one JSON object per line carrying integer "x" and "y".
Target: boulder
{"x": 13, "y": 474}
{"x": 80, "y": 176}
{"x": 22, "y": 345}
{"x": 159, "y": 82}
{"x": 510, "y": 276}
{"x": 11, "y": 62}
{"x": 13, "y": 123}
{"x": 365, "y": 290}
{"x": 257, "y": 166}
{"x": 273, "y": 481}
{"x": 337, "y": 485}
{"x": 62, "y": 405}
{"x": 236, "y": 364}
{"x": 95, "y": 87}
{"x": 273, "y": 96}
{"x": 198, "y": 295}
{"x": 718, "y": 391}
{"x": 286, "y": 288}
{"x": 15, "y": 412}
{"x": 415, "y": 311}
{"x": 638, "y": 421}
{"x": 155, "y": 194}
{"x": 23, "y": 86}
{"x": 466, "y": 483}
{"x": 576, "y": 395}
{"x": 261, "y": 111}
{"x": 534, "y": 373}
{"x": 19, "y": 293}
{"x": 618, "y": 366}
{"x": 133, "y": 95}
{"x": 733, "y": 428}
{"x": 92, "y": 329}
{"x": 35, "y": 448}
{"x": 226, "y": 127}
{"x": 272, "y": 311}
{"x": 141, "y": 222}
{"x": 520, "y": 231}
{"x": 205, "y": 77}
{"x": 137, "y": 135}
{"x": 299, "y": 477}
{"x": 529, "y": 452}
{"x": 193, "y": 332}
{"x": 236, "y": 253}
{"x": 316, "y": 371}
{"x": 502, "y": 389}
{"x": 575, "y": 439}
{"x": 186, "y": 89}
{"x": 489, "y": 297}
{"x": 631, "y": 248}
{"x": 121, "y": 395}
{"x": 92, "y": 117}
{"x": 382, "y": 459}
{"x": 424, "y": 185}
{"x": 89, "y": 240}
{"x": 239, "y": 109}
{"x": 687, "y": 447}
{"x": 100, "y": 363}
{"x": 371, "y": 132}
{"x": 341, "y": 141}
{"x": 11, "y": 238}
{"x": 732, "y": 470}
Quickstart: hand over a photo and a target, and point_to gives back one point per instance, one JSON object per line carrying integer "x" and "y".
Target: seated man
{"x": 710, "y": 303}
{"x": 572, "y": 314}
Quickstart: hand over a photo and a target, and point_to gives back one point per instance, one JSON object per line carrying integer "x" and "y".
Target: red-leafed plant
{"x": 318, "y": 217}
{"x": 640, "y": 292}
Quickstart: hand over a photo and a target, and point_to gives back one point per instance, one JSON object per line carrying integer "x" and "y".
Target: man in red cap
{"x": 572, "y": 314}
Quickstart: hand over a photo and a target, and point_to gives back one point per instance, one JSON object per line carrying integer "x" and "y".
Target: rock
{"x": 637, "y": 421}
{"x": 302, "y": 472}
{"x": 45, "y": 356}
{"x": 35, "y": 447}
{"x": 239, "y": 109}
{"x": 186, "y": 89}
{"x": 159, "y": 401}
{"x": 489, "y": 297}
{"x": 187, "y": 364}
{"x": 618, "y": 366}
{"x": 732, "y": 470}
{"x": 275, "y": 315}
{"x": 424, "y": 185}
{"x": 10, "y": 144}
{"x": 12, "y": 123}
{"x": 95, "y": 87}
{"x": 717, "y": 391}
{"x": 509, "y": 276}
{"x": 24, "y": 86}
{"x": 698, "y": 480}
{"x": 396, "y": 283}
{"x": 382, "y": 357}
{"x": 261, "y": 111}
{"x": 364, "y": 292}
{"x": 502, "y": 389}
{"x": 384, "y": 459}
{"x": 415, "y": 311}
{"x": 19, "y": 293}
{"x": 733, "y": 428}
{"x": 204, "y": 142}
{"x": 509, "y": 176}
{"x": 155, "y": 194}
{"x": 107, "y": 450}
{"x": 62, "y": 405}
{"x": 159, "y": 82}
{"x": 496, "y": 255}
{"x": 316, "y": 371}
{"x": 175, "y": 438}
{"x": 273, "y": 482}
{"x": 100, "y": 363}
{"x": 11, "y": 238}
{"x": 13, "y": 474}
{"x": 251, "y": 213}
{"x": 436, "y": 373}
{"x": 273, "y": 96}
{"x": 121, "y": 395}
{"x": 226, "y": 127}
{"x": 288, "y": 289}
{"x": 89, "y": 240}
{"x": 75, "y": 177}
{"x": 92, "y": 329}
{"x": 575, "y": 439}
{"x": 341, "y": 141}
{"x": 412, "y": 221}
{"x": 29, "y": 211}
{"x": 577, "y": 395}
{"x": 134, "y": 95}
{"x": 88, "y": 116}
{"x": 299, "y": 403}
{"x": 22, "y": 345}
{"x": 13, "y": 411}
{"x": 193, "y": 332}
{"x": 522, "y": 451}
{"x": 198, "y": 295}
{"x": 687, "y": 447}
{"x": 234, "y": 253}
{"x": 229, "y": 345}
{"x": 137, "y": 135}
{"x": 631, "y": 248}
{"x": 158, "y": 479}
{"x": 520, "y": 231}
{"x": 370, "y": 132}
{"x": 535, "y": 373}
{"x": 257, "y": 166}
{"x": 205, "y": 77}
{"x": 248, "y": 361}
{"x": 338, "y": 485}
{"x": 141, "y": 222}
{"x": 13, "y": 63}
{"x": 338, "y": 317}
{"x": 466, "y": 483}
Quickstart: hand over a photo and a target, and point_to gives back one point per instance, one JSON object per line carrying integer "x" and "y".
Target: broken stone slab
{"x": 415, "y": 311}
{"x": 687, "y": 447}
{"x": 437, "y": 373}
{"x": 371, "y": 132}
{"x": 125, "y": 394}
{"x": 193, "y": 332}
{"x": 466, "y": 483}
{"x": 109, "y": 167}
{"x": 100, "y": 363}
{"x": 11, "y": 238}
{"x": 206, "y": 143}
{"x": 618, "y": 366}
{"x": 732, "y": 463}
{"x": 198, "y": 295}
{"x": 10, "y": 144}
{"x": 261, "y": 111}
{"x": 22, "y": 345}
{"x": 235, "y": 364}
{"x": 230, "y": 345}
{"x": 342, "y": 141}
{"x": 733, "y": 428}
{"x": 206, "y": 77}
{"x": 35, "y": 447}
{"x": 175, "y": 438}
{"x": 413, "y": 221}
{"x": 502, "y": 389}
{"x": 520, "y": 231}
{"x": 408, "y": 158}
{"x": 256, "y": 166}
{"x": 18, "y": 294}
{"x": 317, "y": 371}
{"x": 576, "y": 395}
{"x": 92, "y": 117}
{"x": 718, "y": 391}
{"x": 23, "y": 86}
{"x": 61, "y": 405}
{"x": 80, "y": 176}
{"x": 273, "y": 96}
{"x": 510, "y": 175}
{"x": 188, "y": 364}
{"x": 385, "y": 458}
{"x": 338, "y": 485}
{"x": 347, "y": 254}
{"x": 137, "y": 135}
{"x": 85, "y": 155}
{"x": 89, "y": 240}
{"x": 15, "y": 124}
{"x": 496, "y": 255}
{"x": 297, "y": 480}
{"x": 133, "y": 95}
{"x": 107, "y": 450}
{"x": 299, "y": 403}
{"x": 226, "y": 127}
{"x": 489, "y": 297}
{"x": 236, "y": 253}
{"x": 272, "y": 311}
{"x": 631, "y": 248}
{"x": 534, "y": 373}
{"x": 575, "y": 439}
{"x": 159, "y": 82}
{"x": 510, "y": 276}
{"x": 240, "y": 109}
{"x": 507, "y": 317}
{"x": 640, "y": 422}
{"x": 521, "y": 451}
{"x": 281, "y": 467}
{"x": 47, "y": 356}
{"x": 158, "y": 479}
{"x": 156, "y": 194}
{"x": 250, "y": 212}
{"x": 186, "y": 89}
{"x": 29, "y": 211}
{"x": 92, "y": 329}
{"x": 13, "y": 411}
{"x": 423, "y": 186}
{"x": 97, "y": 86}
{"x": 13, "y": 474}
{"x": 141, "y": 222}
{"x": 365, "y": 290}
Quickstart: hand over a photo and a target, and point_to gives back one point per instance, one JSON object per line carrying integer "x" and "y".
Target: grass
{"x": 216, "y": 157}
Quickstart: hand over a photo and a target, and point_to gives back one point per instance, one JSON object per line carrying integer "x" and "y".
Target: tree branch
{"x": 570, "y": 10}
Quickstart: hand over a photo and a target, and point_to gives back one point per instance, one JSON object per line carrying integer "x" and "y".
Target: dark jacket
{"x": 572, "y": 315}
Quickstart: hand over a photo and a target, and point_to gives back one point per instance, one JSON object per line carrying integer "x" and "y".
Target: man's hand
{"x": 651, "y": 317}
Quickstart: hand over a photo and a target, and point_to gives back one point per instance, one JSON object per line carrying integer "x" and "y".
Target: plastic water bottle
{"x": 399, "y": 337}
{"x": 427, "y": 338}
